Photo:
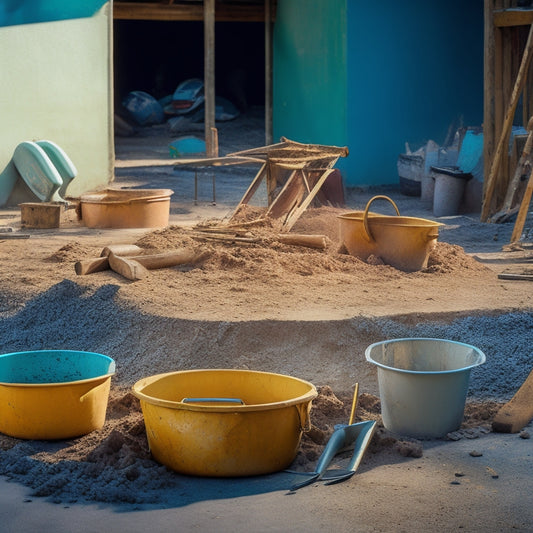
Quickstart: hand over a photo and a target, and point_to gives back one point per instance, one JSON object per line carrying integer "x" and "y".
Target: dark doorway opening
{"x": 155, "y": 56}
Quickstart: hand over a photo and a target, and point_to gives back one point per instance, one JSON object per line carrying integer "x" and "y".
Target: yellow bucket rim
{"x": 400, "y": 221}
{"x": 56, "y": 384}
{"x": 112, "y": 196}
{"x": 180, "y": 405}
{"x": 392, "y": 220}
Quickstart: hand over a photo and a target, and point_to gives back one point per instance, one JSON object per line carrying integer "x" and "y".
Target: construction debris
{"x": 131, "y": 262}
{"x": 134, "y": 267}
{"x": 294, "y": 174}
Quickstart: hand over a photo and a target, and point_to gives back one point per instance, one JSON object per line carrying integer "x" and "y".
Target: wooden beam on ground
{"x": 171, "y": 258}
{"x": 127, "y": 267}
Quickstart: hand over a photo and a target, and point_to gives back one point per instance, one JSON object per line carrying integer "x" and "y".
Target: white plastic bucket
{"x": 423, "y": 384}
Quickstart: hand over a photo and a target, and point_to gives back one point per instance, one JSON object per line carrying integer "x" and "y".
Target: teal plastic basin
{"x": 53, "y": 366}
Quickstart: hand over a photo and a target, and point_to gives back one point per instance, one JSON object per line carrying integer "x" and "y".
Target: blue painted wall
{"x": 309, "y": 80}
{"x": 13, "y": 12}
{"x": 374, "y": 75}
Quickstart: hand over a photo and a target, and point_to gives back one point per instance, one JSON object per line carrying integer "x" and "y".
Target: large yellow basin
{"x": 224, "y": 423}
{"x": 53, "y": 394}
{"x": 402, "y": 242}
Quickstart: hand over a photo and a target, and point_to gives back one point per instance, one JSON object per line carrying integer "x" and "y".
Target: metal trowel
{"x": 345, "y": 437}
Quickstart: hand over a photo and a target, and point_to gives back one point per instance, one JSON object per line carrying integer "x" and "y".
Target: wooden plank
{"x": 522, "y": 212}
{"x": 523, "y": 163}
{"x": 208, "y": 236}
{"x": 121, "y": 249}
{"x": 188, "y": 12}
{"x": 262, "y": 150}
{"x": 127, "y": 267}
{"x": 513, "y": 17}
{"x": 488, "y": 87}
{"x": 509, "y": 73}
{"x": 215, "y": 161}
{"x": 290, "y": 195}
{"x": 518, "y": 412}
{"x": 499, "y": 107}
{"x": 214, "y": 141}
{"x": 294, "y": 216}
{"x": 167, "y": 259}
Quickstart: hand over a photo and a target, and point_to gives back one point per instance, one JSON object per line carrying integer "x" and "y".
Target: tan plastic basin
{"x": 126, "y": 208}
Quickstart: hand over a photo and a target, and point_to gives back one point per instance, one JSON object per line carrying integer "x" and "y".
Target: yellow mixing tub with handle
{"x": 402, "y": 242}
{"x": 224, "y": 423}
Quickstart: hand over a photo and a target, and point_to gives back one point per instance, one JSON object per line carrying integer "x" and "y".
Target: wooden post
{"x": 209, "y": 74}
{"x": 522, "y": 212}
{"x": 489, "y": 85}
{"x": 268, "y": 72}
{"x": 214, "y": 142}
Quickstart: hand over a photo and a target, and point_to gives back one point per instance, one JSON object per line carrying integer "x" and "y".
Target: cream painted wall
{"x": 56, "y": 84}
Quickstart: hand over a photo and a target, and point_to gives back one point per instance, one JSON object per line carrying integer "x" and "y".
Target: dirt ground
{"x": 260, "y": 305}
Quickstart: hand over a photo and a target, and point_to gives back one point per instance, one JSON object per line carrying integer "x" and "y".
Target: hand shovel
{"x": 345, "y": 437}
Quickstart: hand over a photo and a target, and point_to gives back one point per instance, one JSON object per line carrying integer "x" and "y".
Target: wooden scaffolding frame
{"x": 508, "y": 100}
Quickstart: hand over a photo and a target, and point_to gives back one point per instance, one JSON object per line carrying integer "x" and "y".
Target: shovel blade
{"x": 356, "y": 437}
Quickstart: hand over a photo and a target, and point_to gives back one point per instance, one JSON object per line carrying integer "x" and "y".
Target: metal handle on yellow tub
{"x": 214, "y": 400}
{"x": 368, "y": 233}
{"x": 303, "y": 415}
{"x": 432, "y": 235}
